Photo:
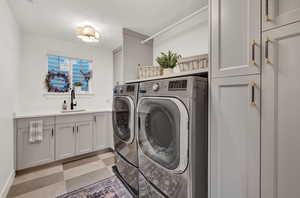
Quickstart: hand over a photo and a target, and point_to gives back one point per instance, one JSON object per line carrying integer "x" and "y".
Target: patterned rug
{"x": 108, "y": 188}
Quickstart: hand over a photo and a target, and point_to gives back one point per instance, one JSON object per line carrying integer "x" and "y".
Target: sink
{"x": 71, "y": 111}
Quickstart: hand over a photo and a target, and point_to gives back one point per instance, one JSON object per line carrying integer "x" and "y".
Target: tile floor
{"x": 59, "y": 179}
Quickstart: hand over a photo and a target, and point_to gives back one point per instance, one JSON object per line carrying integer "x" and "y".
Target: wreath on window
{"x": 52, "y": 75}
{"x": 87, "y": 75}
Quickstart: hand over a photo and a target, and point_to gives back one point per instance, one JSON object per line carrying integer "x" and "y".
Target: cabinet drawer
{"x": 74, "y": 118}
{"x": 24, "y": 122}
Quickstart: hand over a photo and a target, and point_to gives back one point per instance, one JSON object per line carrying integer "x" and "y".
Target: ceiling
{"x": 59, "y": 18}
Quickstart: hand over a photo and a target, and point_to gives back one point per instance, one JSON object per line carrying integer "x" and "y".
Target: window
{"x": 66, "y": 73}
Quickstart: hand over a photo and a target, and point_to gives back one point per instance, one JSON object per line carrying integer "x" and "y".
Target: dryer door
{"x": 163, "y": 132}
{"x": 123, "y": 118}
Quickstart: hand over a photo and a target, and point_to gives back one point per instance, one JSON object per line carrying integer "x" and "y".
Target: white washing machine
{"x": 172, "y": 117}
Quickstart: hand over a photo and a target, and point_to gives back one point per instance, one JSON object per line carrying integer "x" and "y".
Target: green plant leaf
{"x": 168, "y": 60}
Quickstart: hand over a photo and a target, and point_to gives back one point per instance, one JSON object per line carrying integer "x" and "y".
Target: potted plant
{"x": 77, "y": 86}
{"x": 168, "y": 61}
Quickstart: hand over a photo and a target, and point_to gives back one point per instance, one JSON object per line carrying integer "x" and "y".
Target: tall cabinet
{"x": 235, "y": 98}
{"x": 131, "y": 54}
{"x": 280, "y": 165}
{"x": 249, "y": 160}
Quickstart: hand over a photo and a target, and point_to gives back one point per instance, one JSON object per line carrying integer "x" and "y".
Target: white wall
{"x": 9, "y": 53}
{"x": 34, "y": 68}
{"x": 188, "y": 39}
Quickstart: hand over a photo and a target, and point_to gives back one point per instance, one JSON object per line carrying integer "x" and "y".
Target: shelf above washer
{"x": 202, "y": 72}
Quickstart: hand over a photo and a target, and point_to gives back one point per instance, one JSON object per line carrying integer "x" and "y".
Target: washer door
{"x": 163, "y": 132}
{"x": 123, "y": 118}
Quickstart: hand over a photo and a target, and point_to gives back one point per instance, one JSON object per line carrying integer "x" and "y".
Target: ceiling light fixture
{"x": 88, "y": 34}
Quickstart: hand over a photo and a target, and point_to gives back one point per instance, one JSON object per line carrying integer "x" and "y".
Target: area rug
{"x": 108, "y": 188}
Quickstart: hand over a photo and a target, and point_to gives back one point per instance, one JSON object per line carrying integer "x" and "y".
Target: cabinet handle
{"x": 77, "y": 130}
{"x": 252, "y": 87}
{"x": 268, "y": 19}
{"x": 73, "y": 129}
{"x": 52, "y": 132}
{"x": 267, "y": 58}
{"x": 253, "y": 44}
{"x": 139, "y": 123}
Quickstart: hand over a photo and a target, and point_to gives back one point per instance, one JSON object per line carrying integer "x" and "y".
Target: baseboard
{"x": 47, "y": 165}
{"x": 8, "y": 184}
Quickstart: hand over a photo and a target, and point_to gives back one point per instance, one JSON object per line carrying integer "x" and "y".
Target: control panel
{"x": 124, "y": 90}
{"x": 155, "y": 87}
{"x": 177, "y": 85}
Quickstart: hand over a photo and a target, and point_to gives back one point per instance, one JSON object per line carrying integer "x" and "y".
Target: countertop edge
{"x": 37, "y": 115}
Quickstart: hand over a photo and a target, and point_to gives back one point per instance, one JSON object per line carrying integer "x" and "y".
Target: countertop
{"x": 58, "y": 113}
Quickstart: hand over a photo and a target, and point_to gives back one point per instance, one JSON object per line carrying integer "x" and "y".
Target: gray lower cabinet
{"x": 73, "y": 139}
{"x": 101, "y": 129}
{"x": 84, "y": 137}
{"x": 280, "y": 150}
{"x": 64, "y": 136}
{"x": 65, "y": 141}
{"x": 34, "y": 154}
{"x": 235, "y": 137}
{"x": 103, "y": 132}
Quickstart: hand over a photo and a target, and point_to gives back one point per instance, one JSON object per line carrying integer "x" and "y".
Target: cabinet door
{"x": 84, "y": 139}
{"x": 33, "y": 154}
{"x": 101, "y": 131}
{"x": 235, "y": 37}
{"x": 65, "y": 140}
{"x": 235, "y": 137}
{"x": 117, "y": 60}
{"x": 110, "y": 131}
{"x": 280, "y": 113}
{"x": 280, "y": 12}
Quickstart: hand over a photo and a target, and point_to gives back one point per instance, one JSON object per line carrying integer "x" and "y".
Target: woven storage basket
{"x": 193, "y": 63}
{"x": 148, "y": 71}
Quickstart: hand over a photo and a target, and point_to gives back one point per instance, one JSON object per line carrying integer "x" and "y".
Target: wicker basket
{"x": 193, "y": 63}
{"x": 148, "y": 71}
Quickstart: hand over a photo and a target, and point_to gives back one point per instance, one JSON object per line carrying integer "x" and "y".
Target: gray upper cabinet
{"x": 33, "y": 154}
{"x": 280, "y": 12}
{"x": 235, "y": 137}
{"x": 235, "y": 37}
{"x": 280, "y": 112}
{"x": 84, "y": 138}
{"x": 65, "y": 140}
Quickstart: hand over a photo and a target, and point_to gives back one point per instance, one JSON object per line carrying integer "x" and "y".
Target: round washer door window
{"x": 160, "y": 131}
{"x": 123, "y": 118}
